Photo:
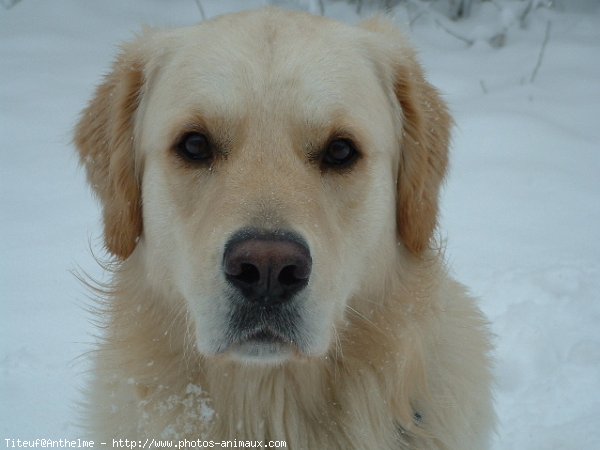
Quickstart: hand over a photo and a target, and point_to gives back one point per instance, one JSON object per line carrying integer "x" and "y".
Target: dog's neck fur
{"x": 194, "y": 396}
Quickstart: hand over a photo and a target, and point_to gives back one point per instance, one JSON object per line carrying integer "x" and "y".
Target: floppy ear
{"x": 105, "y": 140}
{"x": 424, "y": 142}
{"x": 424, "y": 157}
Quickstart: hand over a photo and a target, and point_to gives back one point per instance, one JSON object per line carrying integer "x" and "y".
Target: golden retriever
{"x": 269, "y": 183}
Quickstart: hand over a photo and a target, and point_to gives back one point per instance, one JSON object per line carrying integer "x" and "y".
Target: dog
{"x": 269, "y": 184}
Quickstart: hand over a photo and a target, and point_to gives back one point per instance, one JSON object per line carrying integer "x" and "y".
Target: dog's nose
{"x": 267, "y": 268}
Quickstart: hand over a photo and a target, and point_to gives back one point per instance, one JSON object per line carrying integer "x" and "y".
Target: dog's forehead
{"x": 271, "y": 60}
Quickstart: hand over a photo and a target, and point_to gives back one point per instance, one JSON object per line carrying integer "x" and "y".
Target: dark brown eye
{"x": 195, "y": 147}
{"x": 340, "y": 153}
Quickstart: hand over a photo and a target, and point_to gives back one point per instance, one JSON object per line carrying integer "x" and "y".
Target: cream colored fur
{"x": 397, "y": 354}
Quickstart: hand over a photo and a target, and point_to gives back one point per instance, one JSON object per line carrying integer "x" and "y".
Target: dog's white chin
{"x": 262, "y": 353}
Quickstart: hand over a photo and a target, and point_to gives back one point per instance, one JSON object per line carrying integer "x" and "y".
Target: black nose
{"x": 267, "y": 268}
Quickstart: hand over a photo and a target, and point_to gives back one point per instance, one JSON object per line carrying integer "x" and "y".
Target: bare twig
{"x": 498, "y": 40}
{"x": 420, "y": 9}
{"x": 483, "y": 86}
{"x": 496, "y": 5}
{"x": 9, "y": 3}
{"x": 321, "y": 7}
{"x": 201, "y": 9}
{"x": 459, "y": 9}
{"x": 388, "y": 5}
{"x": 419, "y": 4}
{"x": 414, "y": 19}
{"x": 467, "y": 41}
{"x": 542, "y": 51}
{"x": 525, "y": 13}
{"x": 359, "y": 5}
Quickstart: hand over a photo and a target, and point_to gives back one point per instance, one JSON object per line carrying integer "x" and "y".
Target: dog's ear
{"x": 423, "y": 157}
{"x": 104, "y": 138}
{"x": 424, "y": 140}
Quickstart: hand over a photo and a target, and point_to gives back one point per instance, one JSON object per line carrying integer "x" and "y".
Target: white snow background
{"x": 520, "y": 210}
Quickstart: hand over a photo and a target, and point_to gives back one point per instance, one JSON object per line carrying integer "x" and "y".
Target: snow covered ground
{"x": 521, "y": 209}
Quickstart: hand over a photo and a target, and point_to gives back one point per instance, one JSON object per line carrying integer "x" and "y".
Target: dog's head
{"x": 266, "y": 168}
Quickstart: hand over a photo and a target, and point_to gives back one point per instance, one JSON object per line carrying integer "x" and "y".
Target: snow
{"x": 520, "y": 211}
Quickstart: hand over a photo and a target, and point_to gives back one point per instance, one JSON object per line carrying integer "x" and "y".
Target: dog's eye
{"x": 195, "y": 147}
{"x": 340, "y": 153}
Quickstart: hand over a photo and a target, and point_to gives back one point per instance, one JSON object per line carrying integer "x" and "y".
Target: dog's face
{"x": 261, "y": 165}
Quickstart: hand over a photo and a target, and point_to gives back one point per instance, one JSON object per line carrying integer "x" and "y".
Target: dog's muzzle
{"x": 267, "y": 272}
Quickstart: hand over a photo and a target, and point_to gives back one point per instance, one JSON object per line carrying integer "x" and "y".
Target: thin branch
{"x": 498, "y": 40}
{"x": 460, "y": 9}
{"x": 420, "y": 11}
{"x": 542, "y": 51}
{"x": 525, "y": 13}
{"x": 359, "y": 5}
{"x": 467, "y": 41}
{"x": 321, "y": 7}
{"x": 9, "y": 3}
{"x": 498, "y": 7}
{"x": 201, "y": 9}
{"x": 483, "y": 86}
{"x": 414, "y": 19}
